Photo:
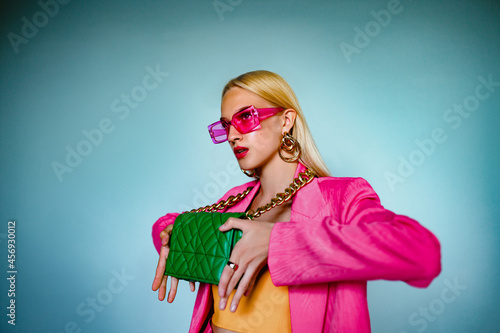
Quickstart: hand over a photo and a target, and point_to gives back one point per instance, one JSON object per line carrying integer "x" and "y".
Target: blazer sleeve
{"x": 158, "y": 227}
{"x": 361, "y": 240}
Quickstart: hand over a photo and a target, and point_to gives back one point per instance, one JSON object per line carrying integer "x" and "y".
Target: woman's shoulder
{"x": 345, "y": 187}
{"x": 341, "y": 182}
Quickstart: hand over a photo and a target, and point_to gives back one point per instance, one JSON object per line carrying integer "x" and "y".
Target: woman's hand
{"x": 250, "y": 254}
{"x": 160, "y": 280}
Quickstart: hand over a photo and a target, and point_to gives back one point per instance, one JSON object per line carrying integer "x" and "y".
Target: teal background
{"x": 74, "y": 235}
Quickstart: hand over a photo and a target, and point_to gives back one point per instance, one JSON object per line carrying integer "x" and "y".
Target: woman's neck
{"x": 275, "y": 177}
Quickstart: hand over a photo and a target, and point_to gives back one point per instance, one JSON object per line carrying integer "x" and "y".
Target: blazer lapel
{"x": 308, "y": 303}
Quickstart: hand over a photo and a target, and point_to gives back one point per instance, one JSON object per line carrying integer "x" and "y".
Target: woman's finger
{"x": 160, "y": 268}
{"x": 233, "y": 281}
{"x": 234, "y": 223}
{"x": 162, "y": 260}
{"x": 165, "y": 235}
{"x": 228, "y": 274}
{"x": 225, "y": 277}
{"x": 250, "y": 287}
{"x": 173, "y": 289}
{"x": 163, "y": 288}
{"x": 242, "y": 287}
{"x": 192, "y": 286}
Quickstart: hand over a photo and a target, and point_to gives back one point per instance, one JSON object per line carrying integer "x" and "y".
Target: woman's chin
{"x": 246, "y": 165}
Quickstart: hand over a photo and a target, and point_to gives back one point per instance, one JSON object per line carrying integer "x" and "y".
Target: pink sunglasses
{"x": 245, "y": 121}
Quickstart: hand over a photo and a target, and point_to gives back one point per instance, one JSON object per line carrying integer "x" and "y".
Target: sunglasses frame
{"x": 260, "y": 113}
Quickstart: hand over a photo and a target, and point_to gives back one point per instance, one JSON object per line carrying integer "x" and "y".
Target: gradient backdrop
{"x": 104, "y": 107}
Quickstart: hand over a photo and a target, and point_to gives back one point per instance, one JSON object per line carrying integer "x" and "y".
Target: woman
{"x": 303, "y": 265}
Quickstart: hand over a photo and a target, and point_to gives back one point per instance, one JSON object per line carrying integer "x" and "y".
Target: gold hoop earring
{"x": 249, "y": 173}
{"x": 289, "y": 145}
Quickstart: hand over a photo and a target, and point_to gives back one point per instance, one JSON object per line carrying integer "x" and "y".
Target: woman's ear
{"x": 289, "y": 116}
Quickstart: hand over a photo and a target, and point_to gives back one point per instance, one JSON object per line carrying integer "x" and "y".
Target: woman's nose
{"x": 233, "y": 134}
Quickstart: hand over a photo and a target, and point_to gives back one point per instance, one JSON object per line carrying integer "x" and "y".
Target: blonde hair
{"x": 273, "y": 88}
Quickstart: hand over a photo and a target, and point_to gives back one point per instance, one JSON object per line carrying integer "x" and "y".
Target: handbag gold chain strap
{"x": 302, "y": 180}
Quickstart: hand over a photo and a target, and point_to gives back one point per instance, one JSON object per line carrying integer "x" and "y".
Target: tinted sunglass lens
{"x": 218, "y": 133}
{"x": 246, "y": 121}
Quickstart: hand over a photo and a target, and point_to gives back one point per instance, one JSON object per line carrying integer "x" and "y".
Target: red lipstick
{"x": 240, "y": 152}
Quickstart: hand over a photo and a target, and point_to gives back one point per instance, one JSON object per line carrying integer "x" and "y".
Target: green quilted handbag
{"x": 198, "y": 250}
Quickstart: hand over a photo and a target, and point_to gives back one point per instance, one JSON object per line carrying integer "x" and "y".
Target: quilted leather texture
{"x": 198, "y": 250}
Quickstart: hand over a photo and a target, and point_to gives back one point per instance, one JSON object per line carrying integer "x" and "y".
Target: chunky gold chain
{"x": 302, "y": 180}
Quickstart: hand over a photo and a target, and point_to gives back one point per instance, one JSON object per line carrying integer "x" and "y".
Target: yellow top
{"x": 266, "y": 309}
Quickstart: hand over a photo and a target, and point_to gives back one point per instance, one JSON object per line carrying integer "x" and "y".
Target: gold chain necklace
{"x": 302, "y": 180}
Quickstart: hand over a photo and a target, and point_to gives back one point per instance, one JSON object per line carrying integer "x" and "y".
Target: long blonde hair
{"x": 273, "y": 88}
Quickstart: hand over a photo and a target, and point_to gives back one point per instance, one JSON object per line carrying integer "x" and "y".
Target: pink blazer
{"x": 339, "y": 237}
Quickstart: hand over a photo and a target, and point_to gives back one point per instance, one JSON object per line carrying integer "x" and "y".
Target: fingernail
{"x": 222, "y": 305}
{"x": 233, "y": 308}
